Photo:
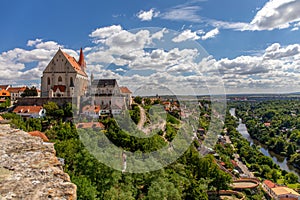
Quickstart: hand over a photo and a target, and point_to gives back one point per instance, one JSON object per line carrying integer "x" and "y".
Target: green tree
{"x": 162, "y": 189}
{"x": 290, "y": 178}
{"x": 28, "y": 92}
{"x": 85, "y": 189}
{"x": 138, "y": 99}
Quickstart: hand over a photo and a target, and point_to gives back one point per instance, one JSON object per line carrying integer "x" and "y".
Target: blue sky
{"x": 254, "y": 44}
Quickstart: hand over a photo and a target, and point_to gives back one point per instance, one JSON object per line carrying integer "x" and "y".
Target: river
{"x": 279, "y": 160}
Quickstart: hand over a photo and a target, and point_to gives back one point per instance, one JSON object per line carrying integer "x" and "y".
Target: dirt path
{"x": 142, "y": 119}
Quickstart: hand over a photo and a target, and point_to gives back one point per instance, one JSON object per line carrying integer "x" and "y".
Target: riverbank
{"x": 277, "y": 159}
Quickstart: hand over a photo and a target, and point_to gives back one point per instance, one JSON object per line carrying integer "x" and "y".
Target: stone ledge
{"x": 29, "y": 168}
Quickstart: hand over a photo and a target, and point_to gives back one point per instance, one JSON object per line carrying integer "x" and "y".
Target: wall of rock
{"x": 29, "y": 168}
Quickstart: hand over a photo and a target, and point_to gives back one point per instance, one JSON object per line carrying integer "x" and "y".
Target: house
{"x": 4, "y": 87}
{"x": 4, "y": 95}
{"x": 127, "y": 94}
{"x": 39, "y": 134}
{"x": 279, "y": 192}
{"x": 30, "y": 111}
{"x": 16, "y": 92}
{"x": 91, "y": 111}
{"x": 284, "y": 193}
{"x": 111, "y": 98}
{"x": 64, "y": 76}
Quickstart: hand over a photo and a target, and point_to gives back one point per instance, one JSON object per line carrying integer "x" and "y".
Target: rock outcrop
{"x": 29, "y": 168}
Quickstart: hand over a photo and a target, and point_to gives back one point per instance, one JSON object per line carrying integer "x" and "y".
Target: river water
{"x": 279, "y": 160}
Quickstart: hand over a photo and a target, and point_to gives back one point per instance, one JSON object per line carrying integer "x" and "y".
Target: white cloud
{"x": 20, "y": 64}
{"x": 277, "y": 14}
{"x": 31, "y": 43}
{"x": 186, "y": 35}
{"x": 182, "y": 13}
{"x": 147, "y": 15}
{"x": 100, "y": 34}
{"x": 211, "y": 34}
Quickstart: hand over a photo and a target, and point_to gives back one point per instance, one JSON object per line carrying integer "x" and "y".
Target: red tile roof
{"x": 61, "y": 88}
{"x": 27, "y": 109}
{"x": 125, "y": 90}
{"x": 4, "y": 93}
{"x": 39, "y": 134}
{"x": 1, "y": 118}
{"x": 269, "y": 184}
{"x": 4, "y": 87}
{"x": 74, "y": 64}
{"x": 234, "y": 163}
{"x": 17, "y": 89}
{"x": 91, "y": 108}
{"x": 267, "y": 124}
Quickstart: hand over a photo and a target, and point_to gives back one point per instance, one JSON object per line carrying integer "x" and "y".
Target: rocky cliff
{"x": 29, "y": 168}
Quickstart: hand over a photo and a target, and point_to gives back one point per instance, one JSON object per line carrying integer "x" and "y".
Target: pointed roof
{"x": 125, "y": 90}
{"x": 74, "y": 63}
{"x": 81, "y": 61}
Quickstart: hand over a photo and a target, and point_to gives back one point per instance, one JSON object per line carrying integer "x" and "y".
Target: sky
{"x": 188, "y": 46}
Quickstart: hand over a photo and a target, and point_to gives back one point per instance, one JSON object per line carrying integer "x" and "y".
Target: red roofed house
{"x": 4, "y": 95}
{"x": 4, "y": 87}
{"x": 64, "y": 76}
{"x": 39, "y": 134}
{"x": 1, "y": 118}
{"x": 16, "y": 92}
{"x": 92, "y": 111}
{"x": 30, "y": 111}
{"x": 279, "y": 192}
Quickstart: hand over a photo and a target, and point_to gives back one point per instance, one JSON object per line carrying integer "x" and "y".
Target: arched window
{"x": 71, "y": 81}
{"x": 59, "y": 79}
{"x": 48, "y": 81}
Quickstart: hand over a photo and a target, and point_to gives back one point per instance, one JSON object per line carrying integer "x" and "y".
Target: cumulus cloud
{"x": 277, "y": 14}
{"x": 100, "y": 34}
{"x": 211, "y": 34}
{"x": 147, "y": 15}
{"x": 186, "y": 35}
{"x": 136, "y": 62}
{"x": 21, "y": 64}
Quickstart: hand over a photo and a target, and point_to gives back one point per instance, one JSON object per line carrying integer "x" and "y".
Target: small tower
{"x": 81, "y": 61}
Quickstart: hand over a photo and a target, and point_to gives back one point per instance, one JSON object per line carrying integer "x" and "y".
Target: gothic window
{"x": 48, "y": 81}
{"x": 59, "y": 79}
{"x": 71, "y": 81}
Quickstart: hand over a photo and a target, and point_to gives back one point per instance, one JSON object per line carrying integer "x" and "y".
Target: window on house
{"x": 48, "y": 81}
{"x": 59, "y": 79}
{"x": 71, "y": 81}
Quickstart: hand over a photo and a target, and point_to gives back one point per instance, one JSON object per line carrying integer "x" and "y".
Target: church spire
{"x": 81, "y": 61}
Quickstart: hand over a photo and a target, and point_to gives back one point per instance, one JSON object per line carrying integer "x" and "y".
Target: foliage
{"x": 5, "y": 104}
{"x": 30, "y": 92}
{"x": 138, "y": 99}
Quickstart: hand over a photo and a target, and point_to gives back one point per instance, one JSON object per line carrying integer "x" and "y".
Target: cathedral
{"x": 64, "y": 76}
